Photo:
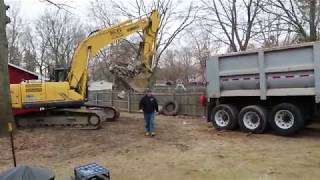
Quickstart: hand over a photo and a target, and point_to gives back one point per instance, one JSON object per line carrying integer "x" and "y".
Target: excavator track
{"x": 107, "y": 113}
{"x": 88, "y": 117}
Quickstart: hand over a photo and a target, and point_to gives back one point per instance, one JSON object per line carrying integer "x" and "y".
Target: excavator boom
{"x": 89, "y": 47}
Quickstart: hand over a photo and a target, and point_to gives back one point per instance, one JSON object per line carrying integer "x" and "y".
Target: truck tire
{"x": 224, "y": 117}
{"x": 286, "y": 119}
{"x": 253, "y": 119}
{"x": 170, "y": 111}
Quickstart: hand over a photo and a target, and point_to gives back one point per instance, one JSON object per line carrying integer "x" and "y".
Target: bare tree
{"x": 178, "y": 65}
{"x": 49, "y": 41}
{"x": 188, "y": 65}
{"x": 170, "y": 68}
{"x": 269, "y": 30}
{"x": 63, "y": 34}
{"x": 60, "y": 6}
{"x": 35, "y": 45}
{"x": 303, "y": 15}
{"x": 30, "y": 61}
{"x": 173, "y": 20}
{"x": 14, "y": 33}
{"x": 235, "y": 19}
{"x": 53, "y": 40}
{"x": 101, "y": 14}
{"x": 202, "y": 45}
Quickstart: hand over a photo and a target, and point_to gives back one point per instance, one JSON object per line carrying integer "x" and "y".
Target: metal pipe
{"x": 12, "y": 144}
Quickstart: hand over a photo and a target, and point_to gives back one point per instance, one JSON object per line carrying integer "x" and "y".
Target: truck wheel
{"x": 224, "y": 117}
{"x": 286, "y": 119}
{"x": 253, "y": 119}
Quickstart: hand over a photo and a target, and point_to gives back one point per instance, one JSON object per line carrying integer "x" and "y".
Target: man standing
{"x": 148, "y": 104}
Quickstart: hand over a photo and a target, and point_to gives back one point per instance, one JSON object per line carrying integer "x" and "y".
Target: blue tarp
{"x": 23, "y": 172}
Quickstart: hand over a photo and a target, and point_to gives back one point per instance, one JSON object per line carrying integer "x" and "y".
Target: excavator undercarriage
{"x": 88, "y": 117}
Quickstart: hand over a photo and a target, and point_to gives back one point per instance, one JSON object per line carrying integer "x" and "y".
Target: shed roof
{"x": 22, "y": 69}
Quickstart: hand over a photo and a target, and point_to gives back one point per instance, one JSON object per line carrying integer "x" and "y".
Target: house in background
{"x": 100, "y": 85}
{"x": 17, "y": 75}
{"x": 199, "y": 77}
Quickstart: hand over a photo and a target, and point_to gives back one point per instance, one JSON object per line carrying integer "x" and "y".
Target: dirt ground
{"x": 184, "y": 148}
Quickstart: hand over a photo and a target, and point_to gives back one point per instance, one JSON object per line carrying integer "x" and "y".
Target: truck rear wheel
{"x": 286, "y": 119}
{"x": 253, "y": 119}
{"x": 224, "y": 117}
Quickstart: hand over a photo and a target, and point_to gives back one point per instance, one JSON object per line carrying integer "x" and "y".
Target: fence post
{"x": 129, "y": 102}
{"x": 205, "y": 107}
{"x": 96, "y": 98}
{"x": 111, "y": 97}
{"x": 174, "y": 96}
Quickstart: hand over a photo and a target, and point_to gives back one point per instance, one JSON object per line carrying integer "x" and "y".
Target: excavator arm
{"x": 89, "y": 47}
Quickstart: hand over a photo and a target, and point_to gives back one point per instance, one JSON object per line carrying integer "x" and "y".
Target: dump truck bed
{"x": 285, "y": 71}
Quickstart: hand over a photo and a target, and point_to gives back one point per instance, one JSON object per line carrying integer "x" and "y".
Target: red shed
{"x": 16, "y": 75}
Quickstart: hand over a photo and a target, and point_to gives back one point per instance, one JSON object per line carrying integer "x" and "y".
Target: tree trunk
{"x": 5, "y": 101}
{"x": 312, "y": 23}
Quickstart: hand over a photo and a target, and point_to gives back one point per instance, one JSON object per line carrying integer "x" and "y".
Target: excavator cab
{"x": 60, "y": 74}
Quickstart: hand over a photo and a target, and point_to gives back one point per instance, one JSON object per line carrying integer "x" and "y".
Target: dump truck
{"x": 253, "y": 90}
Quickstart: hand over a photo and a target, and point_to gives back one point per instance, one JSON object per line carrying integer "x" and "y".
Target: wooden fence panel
{"x": 188, "y": 102}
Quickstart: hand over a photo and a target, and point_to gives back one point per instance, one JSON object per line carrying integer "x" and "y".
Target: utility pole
{"x": 5, "y": 100}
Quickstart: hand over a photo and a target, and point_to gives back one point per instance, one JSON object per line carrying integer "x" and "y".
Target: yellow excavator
{"x": 63, "y": 102}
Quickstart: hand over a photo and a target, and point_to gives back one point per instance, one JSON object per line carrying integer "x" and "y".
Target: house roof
{"x": 25, "y": 70}
{"x": 40, "y": 77}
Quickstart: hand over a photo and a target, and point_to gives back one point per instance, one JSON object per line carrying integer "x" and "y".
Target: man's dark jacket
{"x": 148, "y": 104}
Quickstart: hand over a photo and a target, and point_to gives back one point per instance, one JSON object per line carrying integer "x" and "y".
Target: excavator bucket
{"x": 140, "y": 82}
{"x": 132, "y": 76}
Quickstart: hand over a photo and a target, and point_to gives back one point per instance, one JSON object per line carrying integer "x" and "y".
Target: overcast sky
{"x": 32, "y": 8}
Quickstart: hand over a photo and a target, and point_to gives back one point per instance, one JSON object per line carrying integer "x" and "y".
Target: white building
{"x": 99, "y": 85}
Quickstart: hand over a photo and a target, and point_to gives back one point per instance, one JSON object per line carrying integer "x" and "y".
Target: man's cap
{"x": 148, "y": 90}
